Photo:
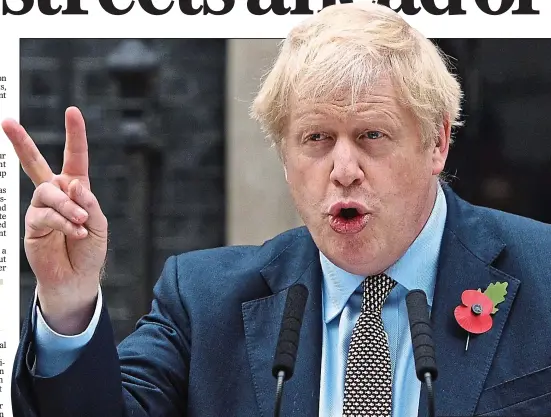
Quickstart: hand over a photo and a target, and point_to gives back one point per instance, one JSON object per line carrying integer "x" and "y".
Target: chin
{"x": 353, "y": 253}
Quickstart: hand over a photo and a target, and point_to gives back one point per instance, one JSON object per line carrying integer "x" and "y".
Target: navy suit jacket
{"x": 207, "y": 346}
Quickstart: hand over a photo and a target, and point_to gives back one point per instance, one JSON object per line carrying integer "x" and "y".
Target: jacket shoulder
{"x": 527, "y": 244}
{"x": 518, "y": 231}
{"x": 240, "y": 257}
{"x": 230, "y": 271}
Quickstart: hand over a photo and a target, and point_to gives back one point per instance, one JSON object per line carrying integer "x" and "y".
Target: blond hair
{"x": 346, "y": 48}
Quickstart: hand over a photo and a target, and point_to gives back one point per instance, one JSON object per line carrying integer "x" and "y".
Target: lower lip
{"x": 348, "y": 226}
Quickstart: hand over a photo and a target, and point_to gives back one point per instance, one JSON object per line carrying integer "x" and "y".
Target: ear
{"x": 283, "y": 159}
{"x": 441, "y": 147}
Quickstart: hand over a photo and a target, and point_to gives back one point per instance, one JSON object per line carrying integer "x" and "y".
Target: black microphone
{"x": 289, "y": 336}
{"x": 423, "y": 345}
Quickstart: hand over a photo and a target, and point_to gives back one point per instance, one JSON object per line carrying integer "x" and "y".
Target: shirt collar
{"x": 416, "y": 269}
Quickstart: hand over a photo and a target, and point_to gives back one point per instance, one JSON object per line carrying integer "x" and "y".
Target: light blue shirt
{"x": 342, "y": 298}
{"x": 55, "y": 352}
{"x": 341, "y": 306}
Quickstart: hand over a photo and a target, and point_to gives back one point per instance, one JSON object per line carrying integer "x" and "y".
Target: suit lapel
{"x": 298, "y": 263}
{"x": 469, "y": 249}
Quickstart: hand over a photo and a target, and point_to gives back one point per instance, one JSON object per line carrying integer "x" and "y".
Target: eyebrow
{"x": 318, "y": 118}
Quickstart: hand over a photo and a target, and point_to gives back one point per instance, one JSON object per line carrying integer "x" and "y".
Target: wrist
{"x": 67, "y": 313}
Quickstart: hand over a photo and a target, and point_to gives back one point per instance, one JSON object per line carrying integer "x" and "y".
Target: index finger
{"x": 75, "y": 156}
{"x": 32, "y": 161}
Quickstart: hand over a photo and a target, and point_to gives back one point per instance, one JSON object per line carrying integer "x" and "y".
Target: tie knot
{"x": 376, "y": 289}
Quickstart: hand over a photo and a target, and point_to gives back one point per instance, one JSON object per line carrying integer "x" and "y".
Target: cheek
{"x": 297, "y": 178}
{"x": 404, "y": 178}
{"x": 307, "y": 180}
{"x": 293, "y": 173}
{"x": 302, "y": 171}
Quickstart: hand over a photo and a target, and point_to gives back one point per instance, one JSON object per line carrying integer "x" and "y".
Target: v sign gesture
{"x": 65, "y": 229}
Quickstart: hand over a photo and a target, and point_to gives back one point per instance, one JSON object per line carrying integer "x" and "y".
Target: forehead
{"x": 380, "y": 99}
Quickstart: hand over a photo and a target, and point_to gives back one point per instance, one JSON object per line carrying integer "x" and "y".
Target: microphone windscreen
{"x": 421, "y": 334}
{"x": 289, "y": 335}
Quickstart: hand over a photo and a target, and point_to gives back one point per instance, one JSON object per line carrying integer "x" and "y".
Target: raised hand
{"x": 65, "y": 229}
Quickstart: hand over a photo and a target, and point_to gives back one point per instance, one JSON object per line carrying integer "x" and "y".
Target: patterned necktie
{"x": 368, "y": 382}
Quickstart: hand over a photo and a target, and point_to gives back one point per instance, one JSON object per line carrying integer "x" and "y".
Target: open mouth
{"x": 349, "y": 213}
{"x": 348, "y": 220}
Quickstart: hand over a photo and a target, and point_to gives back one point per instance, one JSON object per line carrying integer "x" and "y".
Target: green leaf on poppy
{"x": 496, "y": 292}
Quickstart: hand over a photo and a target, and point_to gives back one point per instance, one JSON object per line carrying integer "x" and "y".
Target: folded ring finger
{"x": 40, "y": 221}
{"x": 48, "y": 195}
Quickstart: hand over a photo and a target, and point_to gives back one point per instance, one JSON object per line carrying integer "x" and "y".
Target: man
{"x": 361, "y": 109}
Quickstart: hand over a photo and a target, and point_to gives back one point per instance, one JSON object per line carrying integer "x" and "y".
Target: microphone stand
{"x": 289, "y": 336}
{"x": 423, "y": 345}
{"x": 279, "y": 392}
{"x": 430, "y": 394}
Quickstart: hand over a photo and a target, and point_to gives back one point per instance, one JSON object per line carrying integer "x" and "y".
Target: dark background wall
{"x": 158, "y": 153}
{"x": 161, "y": 185}
{"x": 502, "y": 157}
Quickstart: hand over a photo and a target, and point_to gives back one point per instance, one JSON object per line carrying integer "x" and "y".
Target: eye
{"x": 373, "y": 134}
{"x": 316, "y": 137}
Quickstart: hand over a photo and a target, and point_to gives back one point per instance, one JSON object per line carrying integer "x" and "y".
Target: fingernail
{"x": 81, "y": 231}
{"x": 77, "y": 188}
{"x": 80, "y": 215}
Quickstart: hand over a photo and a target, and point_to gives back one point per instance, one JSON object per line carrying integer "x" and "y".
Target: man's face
{"x": 361, "y": 178}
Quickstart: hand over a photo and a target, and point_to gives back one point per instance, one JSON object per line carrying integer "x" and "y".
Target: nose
{"x": 346, "y": 164}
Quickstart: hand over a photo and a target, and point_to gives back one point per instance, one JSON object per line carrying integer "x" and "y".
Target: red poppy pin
{"x": 475, "y": 313}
